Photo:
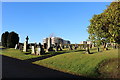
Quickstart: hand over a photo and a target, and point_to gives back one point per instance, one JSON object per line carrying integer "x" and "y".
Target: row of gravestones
{"x": 37, "y": 51}
{"x": 40, "y": 50}
{"x": 34, "y": 50}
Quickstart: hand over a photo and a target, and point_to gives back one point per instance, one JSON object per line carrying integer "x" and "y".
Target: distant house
{"x": 57, "y": 40}
{"x": 85, "y": 42}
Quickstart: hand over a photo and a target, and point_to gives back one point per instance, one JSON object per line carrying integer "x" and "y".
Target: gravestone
{"x": 80, "y": 46}
{"x": 25, "y": 45}
{"x": 87, "y": 49}
{"x": 76, "y": 46}
{"x": 40, "y": 50}
{"x": 33, "y": 50}
{"x": 49, "y": 47}
{"x": 20, "y": 47}
{"x": 45, "y": 46}
{"x": 63, "y": 47}
{"x": 67, "y": 46}
{"x": 16, "y": 46}
{"x": 56, "y": 47}
{"x": 60, "y": 47}
{"x": 70, "y": 47}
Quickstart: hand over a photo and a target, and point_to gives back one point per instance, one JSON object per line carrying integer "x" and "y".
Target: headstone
{"x": 60, "y": 47}
{"x": 66, "y": 46}
{"x": 25, "y": 44}
{"x": 76, "y": 46}
{"x": 20, "y": 47}
{"x": 87, "y": 49}
{"x": 33, "y": 50}
{"x": 80, "y": 46}
{"x": 70, "y": 47}
{"x": 16, "y": 46}
{"x": 45, "y": 46}
{"x": 25, "y": 47}
{"x": 56, "y": 47}
{"x": 63, "y": 47}
{"x": 49, "y": 47}
{"x": 40, "y": 50}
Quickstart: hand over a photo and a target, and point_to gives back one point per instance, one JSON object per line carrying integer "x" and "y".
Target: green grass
{"x": 79, "y": 63}
{"x": 73, "y": 61}
{"x": 110, "y": 68}
{"x": 16, "y": 54}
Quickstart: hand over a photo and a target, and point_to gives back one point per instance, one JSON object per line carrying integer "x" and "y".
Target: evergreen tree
{"x": 12, "y": 40}
{"x": 4, "y": 38}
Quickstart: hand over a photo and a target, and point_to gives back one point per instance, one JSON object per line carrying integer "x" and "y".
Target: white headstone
{"x": 16, "y": 46}
{"x": 38, "y": 51}
{"x": 33, "y": 50}
{"x": 49, "y": 43}
{"x": 25, "y": 47}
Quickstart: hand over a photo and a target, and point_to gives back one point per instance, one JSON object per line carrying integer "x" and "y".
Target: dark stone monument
{"x": 40, "y": 50}
{"x": 49, "y": 45}
{"x": 87, "y": 49}
{"x": 70, "y": 47}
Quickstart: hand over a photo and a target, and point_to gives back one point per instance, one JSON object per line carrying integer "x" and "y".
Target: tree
{"x": 12, "y": 40}
{"x": 4, "y": 38}
{"x": 106, "y": 26}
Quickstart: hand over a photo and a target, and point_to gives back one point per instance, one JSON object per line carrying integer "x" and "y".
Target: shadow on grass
{"x": 79, "y": 50}
{"x": 46, "y": 55}
{"x": 27, "y": 53}
{"x": 50, "y": 54}
{"x": 14, "y": 68}
{"x": 2, "y": 48}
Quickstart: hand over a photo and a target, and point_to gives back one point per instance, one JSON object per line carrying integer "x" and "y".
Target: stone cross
{"x": 25, "y": 44}
{"x": 27, "y": 38}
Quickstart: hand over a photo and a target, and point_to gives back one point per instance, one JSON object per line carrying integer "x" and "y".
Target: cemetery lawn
{"x": 81, "y": 64}
{"x": 15, "y": 53}
{"x": 75, "y": 62}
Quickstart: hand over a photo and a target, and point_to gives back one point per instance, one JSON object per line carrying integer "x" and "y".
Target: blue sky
{"x": 68, "y": 20}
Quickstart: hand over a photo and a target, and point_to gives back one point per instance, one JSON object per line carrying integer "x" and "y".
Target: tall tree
{"x": 12, "y": 40}
{"x": 106, "y": 26}
{"x": 4, "y": 38}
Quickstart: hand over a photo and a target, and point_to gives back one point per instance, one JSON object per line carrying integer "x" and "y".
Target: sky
{"x": 37, "y": 20}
